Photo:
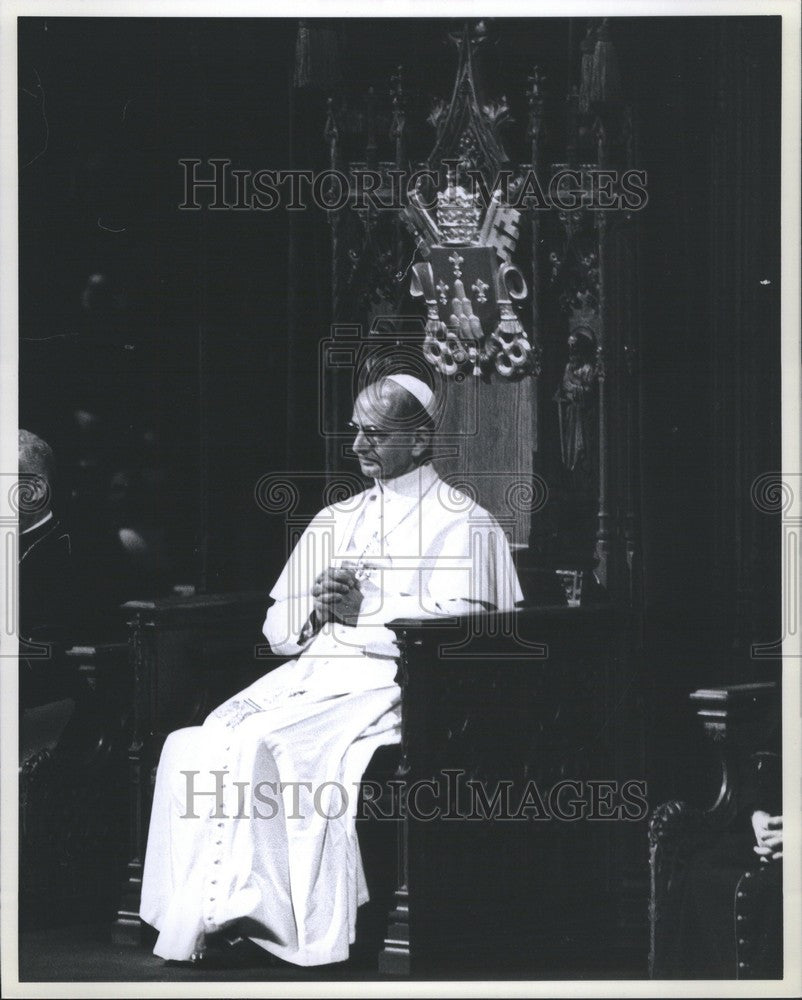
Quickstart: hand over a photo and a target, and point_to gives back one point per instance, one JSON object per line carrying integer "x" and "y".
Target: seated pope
{"x": 253, "y": 828}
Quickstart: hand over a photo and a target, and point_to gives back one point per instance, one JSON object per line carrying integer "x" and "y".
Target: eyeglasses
{"x": 374, "y": 435}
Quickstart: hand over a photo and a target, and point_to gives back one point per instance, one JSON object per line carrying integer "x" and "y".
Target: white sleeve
{"x": 292, "y": 594}
{"x": 476, "y": 568}
{"x": 279, "y": 624}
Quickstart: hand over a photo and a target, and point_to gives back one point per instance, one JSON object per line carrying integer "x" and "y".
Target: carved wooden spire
{"x": 467, "y": 130}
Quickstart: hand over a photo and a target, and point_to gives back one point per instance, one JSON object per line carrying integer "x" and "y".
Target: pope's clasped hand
{"x": 337, "y": 596}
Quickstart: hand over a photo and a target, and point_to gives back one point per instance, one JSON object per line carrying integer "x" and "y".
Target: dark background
{"x": 172, "y": 382}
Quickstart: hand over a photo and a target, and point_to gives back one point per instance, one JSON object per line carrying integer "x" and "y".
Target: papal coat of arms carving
{"x": 468, "y": 284}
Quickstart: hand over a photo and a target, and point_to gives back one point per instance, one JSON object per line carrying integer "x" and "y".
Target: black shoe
{"x": 229, "y": 949}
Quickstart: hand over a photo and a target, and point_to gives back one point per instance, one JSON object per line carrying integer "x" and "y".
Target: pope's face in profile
{"x": 385, "y": 450}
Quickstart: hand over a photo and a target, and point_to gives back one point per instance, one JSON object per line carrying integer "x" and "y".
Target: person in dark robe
{"x": 49, "y": 686}
{"x": 46, "y": 585}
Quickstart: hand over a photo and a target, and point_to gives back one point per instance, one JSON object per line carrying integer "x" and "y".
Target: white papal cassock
{"x": 249, "y": 818}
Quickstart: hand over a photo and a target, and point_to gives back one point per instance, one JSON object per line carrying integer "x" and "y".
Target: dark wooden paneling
{"x": 504, "y": 895}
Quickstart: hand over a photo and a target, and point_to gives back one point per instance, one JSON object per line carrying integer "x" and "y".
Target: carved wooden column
{"x": 605, "y": 532}
{"x": 127, "y": 926}
{"x": 744, "y": 339}
{"x": 394, "y": 959}
{"x": 536, "y": 132}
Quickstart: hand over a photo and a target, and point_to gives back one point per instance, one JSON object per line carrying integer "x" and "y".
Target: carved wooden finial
{"x": 331, "y": 132}
{"x": 370, "y": 145}
{"x": 535, "y": 100}
{"x": 467, "y": 127}
{"x": 398, "y": 120}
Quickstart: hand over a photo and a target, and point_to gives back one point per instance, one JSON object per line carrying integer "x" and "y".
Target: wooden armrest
{"x": 524, "y": 635}
{"x": 735, "y": 711}
{"x": 180, "y": 609}
{"x": 492, "y": 619}
{"x": 101, "y": 651}
{"x": 108, "y": 661}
